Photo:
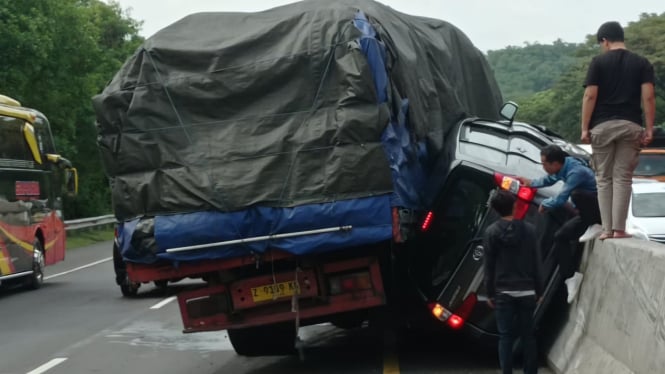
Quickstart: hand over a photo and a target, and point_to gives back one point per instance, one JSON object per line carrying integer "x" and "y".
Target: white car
{"x": 646, "y": 212}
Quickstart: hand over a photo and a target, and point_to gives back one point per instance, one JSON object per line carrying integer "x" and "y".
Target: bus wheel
{"x": 36, "y": 279}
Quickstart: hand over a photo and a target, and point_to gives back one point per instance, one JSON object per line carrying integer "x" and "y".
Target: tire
{"x": 267, "y": 340}
{"x": 119, "y": 266}
{"x": 127, "y": 288}
{"x": 36, "y": 279}
{"x": 161, "y": 284}
{"x": 350, "y": 321}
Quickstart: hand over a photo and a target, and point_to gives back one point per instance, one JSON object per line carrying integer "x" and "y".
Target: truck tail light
{"x": 347, "y": 283}
{"x": 397, "y": 232}
{"x": 427, "y": 222}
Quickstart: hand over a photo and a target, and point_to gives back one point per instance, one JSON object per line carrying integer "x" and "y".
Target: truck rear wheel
{"x": 161, "y": 284}
{"x": 127, "y": 288}
{"x": 270, "y": 340}
{"x": 349, "y": 321}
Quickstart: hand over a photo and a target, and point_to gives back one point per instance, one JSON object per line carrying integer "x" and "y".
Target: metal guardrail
{"x": 88, "y": 223}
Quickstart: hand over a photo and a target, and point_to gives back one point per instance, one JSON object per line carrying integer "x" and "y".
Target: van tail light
{"x": 455, "y": 320}
{"x": 427, "y": 222}
{"x": 441, "y": 313}
{"x": 524, "y": 194}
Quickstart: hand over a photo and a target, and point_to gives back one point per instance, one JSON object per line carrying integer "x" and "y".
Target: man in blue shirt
{"x": 580, "y": 186}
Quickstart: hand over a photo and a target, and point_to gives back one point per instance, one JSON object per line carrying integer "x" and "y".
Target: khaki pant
{"x": 616, "y": 148}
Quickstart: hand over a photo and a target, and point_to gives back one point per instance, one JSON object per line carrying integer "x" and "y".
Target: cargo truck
{"x": 282, "y": 157}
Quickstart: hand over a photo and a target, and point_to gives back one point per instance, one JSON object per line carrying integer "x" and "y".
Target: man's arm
{"x": 588, "y": 105}
{"x": 538, "y": 182}
{"x": 573, "y": 180}
{"x": 649, "y": 106}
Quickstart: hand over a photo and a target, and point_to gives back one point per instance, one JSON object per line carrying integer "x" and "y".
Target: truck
{"x": 282, "y": 158}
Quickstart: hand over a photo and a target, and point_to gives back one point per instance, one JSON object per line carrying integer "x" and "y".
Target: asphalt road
{"x": 78, "y": 322}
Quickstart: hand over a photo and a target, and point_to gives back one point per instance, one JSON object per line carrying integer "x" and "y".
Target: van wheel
{"x": 268, "y": 340}
{"x": 36, "y": 279}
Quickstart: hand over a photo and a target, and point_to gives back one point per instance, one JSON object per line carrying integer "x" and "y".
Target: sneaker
{"x": 591, "y": 232}
{"x": 573, "y": 286}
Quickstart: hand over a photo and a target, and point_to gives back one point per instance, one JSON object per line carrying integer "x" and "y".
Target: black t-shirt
{"x": 619, "y": 75}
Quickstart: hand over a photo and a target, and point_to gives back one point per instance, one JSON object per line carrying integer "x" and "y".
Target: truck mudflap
{"x": 309, "y": 293}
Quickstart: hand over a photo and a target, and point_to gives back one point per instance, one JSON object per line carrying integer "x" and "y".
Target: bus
{"x": 33, "y": 180}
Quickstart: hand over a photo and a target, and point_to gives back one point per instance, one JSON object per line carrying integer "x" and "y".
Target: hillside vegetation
{"x": 546, "y": 80}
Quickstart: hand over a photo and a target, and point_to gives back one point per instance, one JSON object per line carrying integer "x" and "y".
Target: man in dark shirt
{"x": 514, "y": 280}
{"x": 616, "y": 83}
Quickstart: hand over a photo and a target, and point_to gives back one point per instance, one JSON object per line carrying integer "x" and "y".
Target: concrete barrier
{"x": 617, "y": 323}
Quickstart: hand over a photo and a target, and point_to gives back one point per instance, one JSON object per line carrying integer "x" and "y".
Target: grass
{"x": 88, "y": 237}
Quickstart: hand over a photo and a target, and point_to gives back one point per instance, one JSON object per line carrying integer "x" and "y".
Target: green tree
{"x": 523, "y": 71}
{"x": 56, "y": 54}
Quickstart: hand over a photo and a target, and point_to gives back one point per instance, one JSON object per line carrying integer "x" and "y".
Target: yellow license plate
{"x": 274, "y": 291}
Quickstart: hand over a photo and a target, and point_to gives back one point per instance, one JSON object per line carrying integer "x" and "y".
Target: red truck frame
{"x": 315, "y": 286}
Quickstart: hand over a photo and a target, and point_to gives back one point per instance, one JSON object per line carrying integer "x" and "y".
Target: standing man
{"x": 514, "y": 281}
{"x": 616, "y": 83}
{"x": 580, "y": 186}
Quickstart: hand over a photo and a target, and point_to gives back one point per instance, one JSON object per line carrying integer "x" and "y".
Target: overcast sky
{"x": 490, "y": 24}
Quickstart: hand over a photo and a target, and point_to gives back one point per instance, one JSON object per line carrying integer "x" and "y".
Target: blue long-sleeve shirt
{"x": 574, "y": 174}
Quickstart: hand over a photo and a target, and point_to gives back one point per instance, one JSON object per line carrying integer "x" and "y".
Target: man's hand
{"x": 586, "y": 137}
{"x": 647, "y": 137}
{"x": 541, "y": 209}
{"x": 524, "y": 181}
{"x": 571, "y": 208}
{"x": 490, "y": 302}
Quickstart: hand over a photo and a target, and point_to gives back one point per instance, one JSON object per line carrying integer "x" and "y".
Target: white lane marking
{"x": 49, "y": 365}
{"x": 79, "y": 268}
{"x": 163, "y": 302}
